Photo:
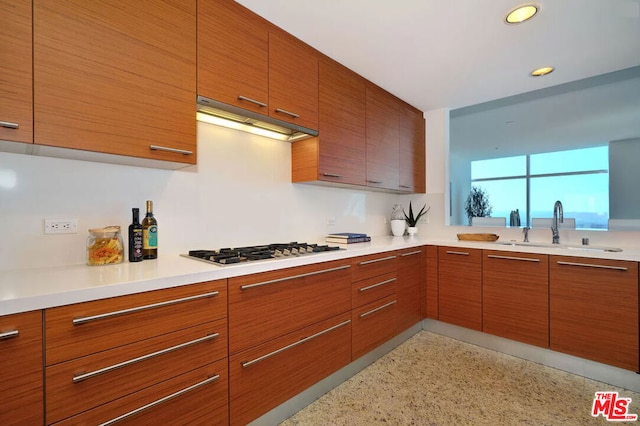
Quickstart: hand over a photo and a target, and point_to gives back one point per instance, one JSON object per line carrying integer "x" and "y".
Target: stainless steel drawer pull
{"x": 253, "y": 101}
{"x": 411, "y": 253}
{"x": 526, "y": 259}
{"x": 9, "y": 125}
{"x": 308, "y": 274}
{"x": 369, "y": 287}
{"x": 9, "y": 334}
{"x": 379, "y": 308}
{"x": 167, "y": 149}
{"x": 592, "y": 265}
{"x": 292, "y": 345}
{"x": 461, "y": 253}
{"x": 331, "y": 175}
{"x": 366, "y": 262}
{"x": 82, "y": 320}
{"x": 404, "y": 186}
{"x": 377, "y": 182}
{"x": 84, "y": 376}
{"x": 160, "y": 401}
{"x": 284, "y": 111}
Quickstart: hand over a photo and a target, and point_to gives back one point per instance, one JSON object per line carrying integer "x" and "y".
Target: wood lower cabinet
{"x": 408, "y": 289}
{"x": 515, "y": 296}
{"x": 373, "y": 324}
{"x": 594, "y": 309}
{"x": 16, "y": 84}
{"x": 460, "y": 286}
{"x": 116, "y": 77}
{"x": 431, "y": 292}
{"x": 21, "y": 384}
{"x": 412, "y": 134}
{"x": 383, "y": 135}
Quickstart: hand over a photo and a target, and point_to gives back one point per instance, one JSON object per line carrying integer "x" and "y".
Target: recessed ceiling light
{"x": 521, "y": 14}
{"x": 542, "y": 71}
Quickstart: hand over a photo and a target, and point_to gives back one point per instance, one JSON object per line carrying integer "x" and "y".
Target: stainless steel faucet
{"x": 557, "y": 214}
{"x": 525, "y": 231}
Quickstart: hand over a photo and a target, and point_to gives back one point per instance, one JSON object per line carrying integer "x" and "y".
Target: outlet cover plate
{"x": 60, "y": 226}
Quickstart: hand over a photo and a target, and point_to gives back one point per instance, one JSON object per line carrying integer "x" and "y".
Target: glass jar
{"x": 105, "y": 246}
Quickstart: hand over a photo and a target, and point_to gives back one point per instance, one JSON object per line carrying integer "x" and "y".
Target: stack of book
{"x": 347, "y": 238}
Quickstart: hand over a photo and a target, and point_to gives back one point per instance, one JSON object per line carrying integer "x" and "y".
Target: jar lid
{"x": 113, "y": 229}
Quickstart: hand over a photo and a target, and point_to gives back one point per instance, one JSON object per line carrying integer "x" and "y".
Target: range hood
{"x": 219, "y": 113}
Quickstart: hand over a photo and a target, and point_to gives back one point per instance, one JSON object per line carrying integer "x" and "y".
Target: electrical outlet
{"x": 385, "y": 220}
{"x": 60, "y": 226}
{"x": 331, "y": 221}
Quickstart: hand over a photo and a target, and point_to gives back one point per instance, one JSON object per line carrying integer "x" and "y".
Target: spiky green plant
{"x": 410, "y": 219}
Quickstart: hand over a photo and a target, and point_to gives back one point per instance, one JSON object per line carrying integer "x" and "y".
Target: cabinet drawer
{"x": 78, "y": 330}
{"x": 374, "y": 288}
{"x": 374, "y": 265}
{"x": 93, "y": 380}
{"x": 373, "y": 324}
{"x": 198, "y": 397}
{"x": 263, "y": 377}
{"x": 268, "y": 305}
{"x": 21, "y": 358}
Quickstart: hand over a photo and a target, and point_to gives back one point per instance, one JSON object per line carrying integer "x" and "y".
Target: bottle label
{"x": 137, "y": 243}
{"x": 150, "y": 237}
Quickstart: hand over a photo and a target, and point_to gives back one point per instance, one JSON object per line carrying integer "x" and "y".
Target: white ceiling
{"x": 456, "y": 53}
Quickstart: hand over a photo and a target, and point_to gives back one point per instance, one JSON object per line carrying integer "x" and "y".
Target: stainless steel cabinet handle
{"x": 381, "y": 259}
{"x": 284, "y": 111}
{"x": 461, "y": 253}
{"x": 84, "y": 376}
{"x": 9, "y": 125}
{"x": 293, "y": 277}
{"x": 379, "y": 308}
{"x": 82, "y": 320}
{"x": 526, "y": 259}
{"x": 160, "y": 401}
{"x": 592, "y": 265}
{"x": 369, "y": 287}
{"x": 167, "y": 149}
{"x": 9, "y": 334}
{"x": 292, "y": 345}
{"x": 411, "y": 253}
{"x": 374, "y": 181}
{"x": 404, "y": 186}
{"x": 253, "y": 101}
{"x": 331, "y": 175}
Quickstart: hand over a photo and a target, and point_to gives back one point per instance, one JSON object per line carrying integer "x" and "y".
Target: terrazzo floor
{"x": 432, "y": 380}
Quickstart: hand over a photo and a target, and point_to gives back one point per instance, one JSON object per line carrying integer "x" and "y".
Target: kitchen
{"x": 239, "y": 193}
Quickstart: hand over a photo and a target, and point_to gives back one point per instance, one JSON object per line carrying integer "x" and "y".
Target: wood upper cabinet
{"x": 515, "y": 296}
{"x": 383, "y": 135}
{"x": 293, "y": 80}
{"x": 412, "y": 150}
{"x": 338, "y": 154}
{"x": 21, "y": 384}
{"x": 409, "y": 287}
{"x": 233, "y": 55}
{"x": 116, "y": 77}
{"x": 593, "y": 307}
{"x": 16, "y": 84}
{"x": 460, "y": 286}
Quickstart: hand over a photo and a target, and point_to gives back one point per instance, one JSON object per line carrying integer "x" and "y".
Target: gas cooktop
{"x": 226, "y": 256}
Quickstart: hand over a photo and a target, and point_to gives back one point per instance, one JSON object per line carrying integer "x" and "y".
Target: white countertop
{"x": 23, "y": 290}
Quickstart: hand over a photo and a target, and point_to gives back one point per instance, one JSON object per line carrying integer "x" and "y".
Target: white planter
{"x": 397, "y": 227}
{"x": 412, "y": 231}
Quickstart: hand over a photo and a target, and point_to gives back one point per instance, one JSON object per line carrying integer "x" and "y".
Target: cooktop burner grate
{"x": 226, "y": 256}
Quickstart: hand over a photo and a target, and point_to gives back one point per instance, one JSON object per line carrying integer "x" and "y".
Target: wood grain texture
{"x": 66, "y": 398}
{"x": 21, "y": 383}
{"x": 370, "y": 289}
{"x": 410, "y": 280}
{"x": 293, "y": 79}
{"x": 206, "y": 405}
{"x": 370, "y": 331}
{"x": 116, "y": 77}
{"x": 16, "y": 84}
{"x": 373, "y": 265}
{"x": 460, "y": 287}
{"x": 431, "y": 302}
{"x": 515, "y": 296}
{"x": 383, "y": 136}
{"x": 233, "y": 54}
{"x": 66, "y": 341}
{"x": 262, "y": 313}
{"x": 412, "y": 150}
{"x": 594, "y": 311}
{"x": 257, "y": 388}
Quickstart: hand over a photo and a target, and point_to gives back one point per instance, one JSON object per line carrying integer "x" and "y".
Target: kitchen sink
{"x": 560, "y": 246}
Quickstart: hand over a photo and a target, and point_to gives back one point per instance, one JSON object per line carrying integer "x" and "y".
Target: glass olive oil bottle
{"x": 149, "y": 234}
{"x": 135, "y": 237}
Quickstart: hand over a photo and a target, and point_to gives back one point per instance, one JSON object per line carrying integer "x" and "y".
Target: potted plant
{"x": 477, "y": 204}
{"x": 412, "y": 221}
{"x": 397, "y": 221}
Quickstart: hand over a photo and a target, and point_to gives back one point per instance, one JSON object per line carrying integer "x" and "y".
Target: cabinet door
{"x": 293, "y": 80}
{"x": 382, "y": 121}
{"x": 594, "y": 309}
{"x": 460, "y": 287}
{"x": 116, "y": 77}
{"x": 515, "y": 296}
{"x": 431, "y": 302}
{"x": 21, "y": 387}
{"x": 412, "y": 150}
{"x": 233, "y": 55}
{"x": 410, "y": 280}
{"x": 16, "y": 84}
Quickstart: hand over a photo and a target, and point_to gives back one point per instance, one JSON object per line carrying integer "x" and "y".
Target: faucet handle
{"x": 525, "y": 231}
